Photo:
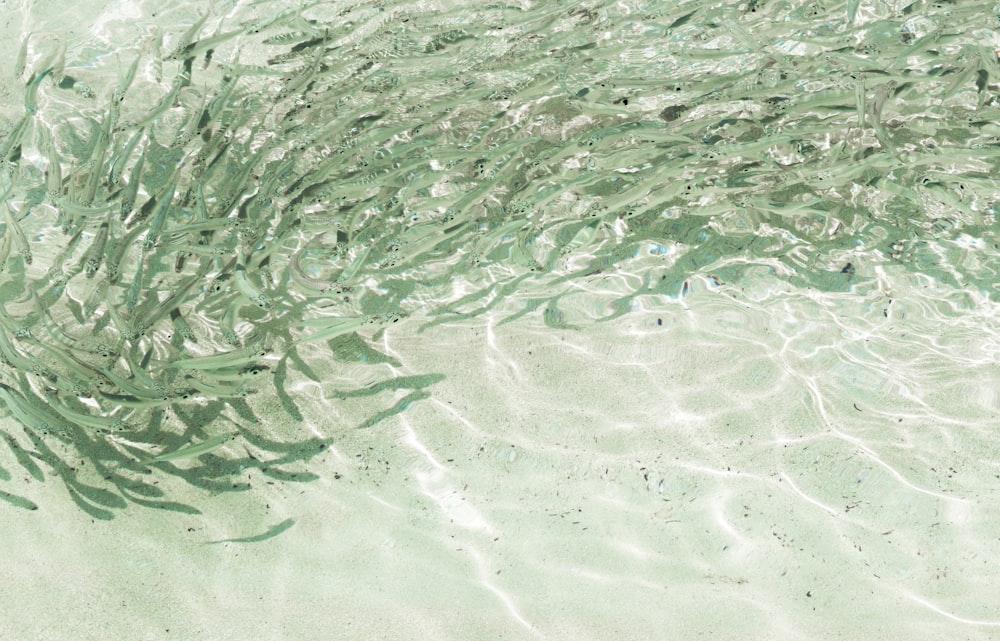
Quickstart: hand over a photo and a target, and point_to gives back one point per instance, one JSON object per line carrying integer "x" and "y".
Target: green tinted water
{"x": 217, "y": 232}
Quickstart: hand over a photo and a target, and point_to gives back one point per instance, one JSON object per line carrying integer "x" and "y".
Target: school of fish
{"x": 284, "y": 187}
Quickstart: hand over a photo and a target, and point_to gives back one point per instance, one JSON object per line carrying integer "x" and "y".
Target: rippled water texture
{"x": 547, "y": 320}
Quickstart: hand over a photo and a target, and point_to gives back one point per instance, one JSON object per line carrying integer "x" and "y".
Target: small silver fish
{"x": 198, "y": 449}
{"x": 19, "y": 239}
{"x": 246, "y": 287}
{"x": 185, "y": 38}
{"x": 95, "y": 253}
{"x": 852, "y": 10}
{"x": 132, "y": 188}
{"x": 160, "y": 215}
{"x": 297, "y": 82}
{"x": 860, "y": 97}
{"x": 126, "y": 81}
{"x": 28, "y": 413}
{"x": 208, "y": 44}
{"x": 103, "y": 135}
{"x": 22, "y": 56}
{"x": 132, "y": 297}
{"x": 59, "y": 65}
{"x": 181, "y": 80}
{"x": 13, "y": 140}
{"x": 118, "y": 164}
{"x": 156, "y": 49}
{"x": 54, "y": 178}
{"x": 234, "y": 359}
{"x": 331, "y": 327}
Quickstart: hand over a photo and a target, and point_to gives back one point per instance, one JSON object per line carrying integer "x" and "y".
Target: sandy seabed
{"x": 672, "y": 474}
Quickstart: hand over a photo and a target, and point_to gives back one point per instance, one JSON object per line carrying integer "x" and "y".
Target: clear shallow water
{"x": 646, "y": 309}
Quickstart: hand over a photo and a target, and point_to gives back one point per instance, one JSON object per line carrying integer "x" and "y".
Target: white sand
{"x": 626, "y": 480}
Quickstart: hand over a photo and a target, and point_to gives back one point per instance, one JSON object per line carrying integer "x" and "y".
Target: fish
{"x": 218, "y": 102}
{"x": 852, "y": 10}
{"x": 132, "y": 297}
{"x": 11, "y": 353}
{"x": 299, "y": 81}
{"x": 181, "y": 80}
{"x": 246, "y": 287}
{"x": 227, "y": 324}
{"x": 128, "y": 387}
{"x": 202, "y": 249}
{"x": 91, "y": 260}
{"x": 75, "y": 212}
{"x": 241, "y": 182}
{"x": 156, "y": 50}
{"x": 177, "y": 298}
{"x": 180, "y": 232}
{"x": 139, "y": 376}
{"x": 299, "y": 50}
{"x": 29, "y": 414}
{"x": 31, "y": 92}
{"x": 12, "y": 144}
{"x": 159, "y": 220}
{"x": 878, "y": 101}
{"x": 217, "y": 284}
{"x": 679, "y": 22}
{"x": 191, "y": 126}
{"x": 84, "y": 419}
{"x": 327, "y": 328}
{"x": 187, "y": 37}
{"x": 357, "y": 263}
{"x": 181, "y": 326}
{"x": 131, "y": 190}
{"x": 53, "y": 170}
{"x": 59, "y": 65}
{"x": 284, "y": 38}
{"x": 214, "y": 390}
{"x": 931, "y": 40}
{"x": 136, "y": 402}
{"x": 234, "y": 375}
{"x": 860, "y": 98}
{"x": 281, "y": 19}
{"x": 238, "y": 358}
{"x": 195, "y": 450}
{"x": 18, "y": 237}
{"x": 208, "y": 44}
{"x": 126, "y": 81}
{"x": 55, "y": 272}
{"x": 61, "y": 347}
{"x": 130, "y": 332}
{"x": 22, "y": 56}
{"x": 200, "y": 208}
{"x": 118, "y": 163}
{"x": 96, "y": 298}
{"x": 115, "y": 251}
{"x": 103, "y": 136}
